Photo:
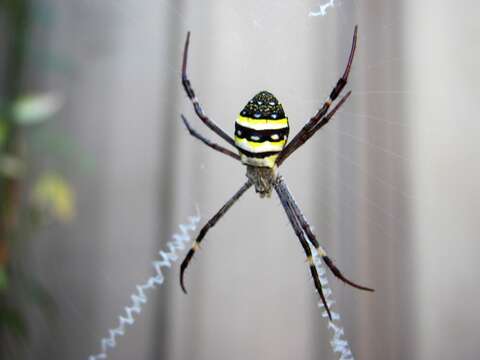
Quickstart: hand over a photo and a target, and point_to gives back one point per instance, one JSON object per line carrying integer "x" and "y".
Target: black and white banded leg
{"x": 207, "y": 142}
{"x": 196, "y": 104}
{"x": 306, "y": 132}
{"x": 294, "y": 221}
{"x": 313, "y": 239}
{"x": 211, "y": 223}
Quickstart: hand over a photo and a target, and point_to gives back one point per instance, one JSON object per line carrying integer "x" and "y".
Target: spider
{"x": 261, "y": 132}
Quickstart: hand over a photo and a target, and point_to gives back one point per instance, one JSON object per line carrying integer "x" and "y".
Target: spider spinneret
{"x": 261, "y": 133}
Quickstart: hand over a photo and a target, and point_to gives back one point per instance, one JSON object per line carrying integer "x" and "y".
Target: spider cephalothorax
{"x": 261, "y": 133}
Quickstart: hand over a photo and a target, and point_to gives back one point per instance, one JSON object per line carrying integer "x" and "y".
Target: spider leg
{"x": 207, "y": 142}
{"x": 327, "y": 117}
{"x": 196, "y": 105}
{"x": 313, "y": 239}
{"x": 211, "y": 223}
{"x": 289, "y": 209}
{"x": 306, "y": 132}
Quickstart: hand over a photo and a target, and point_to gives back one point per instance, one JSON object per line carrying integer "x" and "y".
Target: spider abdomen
{"x": 261, "y": 130}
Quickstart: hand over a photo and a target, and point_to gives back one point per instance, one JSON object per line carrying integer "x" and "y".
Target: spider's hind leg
{"x": 303, "y": 241}
{"x": 211, "y": 223}
{"x": 313, "y": 239}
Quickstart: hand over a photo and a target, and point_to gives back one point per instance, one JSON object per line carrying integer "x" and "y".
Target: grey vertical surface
{"x": 391, "y": 186}
{"x": 445, "y": 83}
{"x": 111, "y": 111}
{"x": 384, "y": 246}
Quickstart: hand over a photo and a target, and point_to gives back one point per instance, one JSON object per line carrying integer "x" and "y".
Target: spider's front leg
{"x": 318, "y": 120}
{"x": 207, "y": 142}
{"x": 196, "y": 104}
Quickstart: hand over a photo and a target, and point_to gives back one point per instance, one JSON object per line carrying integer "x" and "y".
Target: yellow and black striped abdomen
{"x": 261, "y": 130}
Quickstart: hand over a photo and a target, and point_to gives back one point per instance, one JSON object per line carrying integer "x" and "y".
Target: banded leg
{"x": 207, "y": 142}
{"x": 301, "y": 236}
{"x": 306, "y": 131}
{"x": 196, "y": 105}
{"x": 313, "y": 239}
{"x": 211, "y": 223}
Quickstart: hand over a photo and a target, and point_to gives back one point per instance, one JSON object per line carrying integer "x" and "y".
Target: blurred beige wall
{"x": 390, "y": 186}
{"x": 443, "y": 109}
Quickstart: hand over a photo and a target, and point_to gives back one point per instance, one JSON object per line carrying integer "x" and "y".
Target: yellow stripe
{"x": 321, "y": 252}
{"x": 310, "y": 260}
{"x": 248, "y": 120}
{"x": 257, "y": 147}
{"x": 262, "y": 124}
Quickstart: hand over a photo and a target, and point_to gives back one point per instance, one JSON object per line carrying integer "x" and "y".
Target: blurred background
{"x": 97, "y": 172}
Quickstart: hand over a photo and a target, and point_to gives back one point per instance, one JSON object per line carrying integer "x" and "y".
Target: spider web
{"x": 352, "y": 181}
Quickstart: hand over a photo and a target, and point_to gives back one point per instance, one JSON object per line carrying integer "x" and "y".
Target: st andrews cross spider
{"x": 261, "y": 132}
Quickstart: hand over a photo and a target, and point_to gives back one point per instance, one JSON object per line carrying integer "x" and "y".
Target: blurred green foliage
{"x": 34, "y": 109}
{"x": 30, "y": 195}
{"x": 53, "y": 194}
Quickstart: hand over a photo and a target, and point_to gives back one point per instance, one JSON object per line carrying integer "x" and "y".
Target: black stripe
{"x": 260, "y": 155}
{"x": 263, "y": 135}
{"x": 263, "y": 106}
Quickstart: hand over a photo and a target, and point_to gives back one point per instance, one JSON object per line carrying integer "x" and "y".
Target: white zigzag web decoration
{"x": 139, "y": 297}
{"x": 338, "y": 343}
{"x": 322, "y": 11}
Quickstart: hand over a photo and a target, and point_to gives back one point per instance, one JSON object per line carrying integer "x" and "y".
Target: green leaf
{"x": 3, "y": 279}
{"x": 34, "y": 109}
{"x": 54, "y": 194}
{"x": 11, "y": 166}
